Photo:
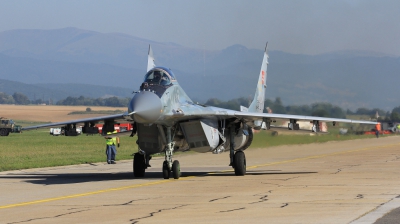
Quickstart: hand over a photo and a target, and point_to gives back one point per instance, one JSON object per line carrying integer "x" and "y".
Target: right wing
{"x": 124, "y": 117}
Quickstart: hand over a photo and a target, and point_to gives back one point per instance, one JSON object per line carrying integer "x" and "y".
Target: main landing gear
{"x": 239, "y": 163}
{"x": 140, "y": 163}
{"x": 168, "y": 165}
{"x": 238, "y": 159}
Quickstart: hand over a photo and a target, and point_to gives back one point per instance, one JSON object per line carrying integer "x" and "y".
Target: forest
{"x": 320, "y": 109}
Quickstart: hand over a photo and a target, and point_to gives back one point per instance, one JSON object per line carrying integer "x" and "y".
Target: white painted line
{"x": 378, "y": 212}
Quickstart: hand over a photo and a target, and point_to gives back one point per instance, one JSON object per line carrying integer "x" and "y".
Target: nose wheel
{"x": 168, "y": 165}
{"x": 165, "y": 170}
{"x": 176, "y": 170}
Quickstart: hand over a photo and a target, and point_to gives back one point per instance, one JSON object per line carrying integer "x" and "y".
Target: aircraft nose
{"x": 145, "y": 107}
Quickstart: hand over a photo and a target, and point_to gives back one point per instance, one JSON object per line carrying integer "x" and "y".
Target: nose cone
{"x": 146, "y": 107}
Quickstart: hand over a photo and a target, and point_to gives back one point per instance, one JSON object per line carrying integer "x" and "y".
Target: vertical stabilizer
{"x": 257, "y": 105}
{"x": 150, "y": 60}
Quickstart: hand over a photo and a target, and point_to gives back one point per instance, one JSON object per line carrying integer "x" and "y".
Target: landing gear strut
{"x": 168, "y": 165}
{"x": 315, "y": 127}
{"x": 238, "y": 159}
{"x": 293, "y": 125}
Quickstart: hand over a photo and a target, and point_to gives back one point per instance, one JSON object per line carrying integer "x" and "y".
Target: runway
{"x": 354, "y": 181}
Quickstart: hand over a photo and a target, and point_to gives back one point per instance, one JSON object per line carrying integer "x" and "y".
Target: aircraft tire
{"x": 165, "y": 170}
{"x": 176, "y": 169}
{"x": 139, "y": 165}
{"x": 239, "y": 161}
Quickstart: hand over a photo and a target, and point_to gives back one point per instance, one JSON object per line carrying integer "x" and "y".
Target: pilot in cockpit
{"x": 157, "y": 77}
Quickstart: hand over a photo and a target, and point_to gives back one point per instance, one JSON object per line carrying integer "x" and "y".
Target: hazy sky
{"x": 301, "y": 26}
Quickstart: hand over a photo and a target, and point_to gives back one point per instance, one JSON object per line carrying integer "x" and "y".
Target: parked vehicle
{"x": 6, "y": 126}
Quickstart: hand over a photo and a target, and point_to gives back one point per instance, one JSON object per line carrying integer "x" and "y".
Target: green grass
{"x": 28, "y": 123}
{"x": 37, "y": 148}
{"x": 32, "y": 149}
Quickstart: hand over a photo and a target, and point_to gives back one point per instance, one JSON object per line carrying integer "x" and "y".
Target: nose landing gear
{"x": 168, "y": 165}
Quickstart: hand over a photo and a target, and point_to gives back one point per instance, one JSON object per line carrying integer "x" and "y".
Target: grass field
{"x": 37, "y": 148}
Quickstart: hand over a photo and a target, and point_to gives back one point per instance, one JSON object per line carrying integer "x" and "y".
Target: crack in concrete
{"x": 232, "y": 210}
{"x": 359, "y": 196}
{"x": 270, "y": 184}
{"x": 397, "y": 158}
{"x": 263, "y": 198}
{"x": 216, "y": 199}
{"x": 290, "y": 178}
{"x": 151, "y": 214}
{"x": 106, "y": 205}
{"x": 129, "y": 202}
{"x": 348, "y": 166}
{"x": 49, "y": 217}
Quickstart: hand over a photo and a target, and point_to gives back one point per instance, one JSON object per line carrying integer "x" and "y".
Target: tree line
{"x": 21, "y": 99}
{"x": 16, "y": 98}
{"x": 275, "y": 106}
{"x": 315, "y": 109}
{"x": 86, "y": 101}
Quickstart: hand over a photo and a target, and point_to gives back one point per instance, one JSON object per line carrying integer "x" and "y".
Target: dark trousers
{"x": 111, "y": 151}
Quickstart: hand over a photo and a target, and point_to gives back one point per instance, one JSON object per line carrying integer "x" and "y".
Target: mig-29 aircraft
{"x": 167, "y": 120}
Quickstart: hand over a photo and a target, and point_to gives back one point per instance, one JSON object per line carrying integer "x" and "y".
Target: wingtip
{"x": 266, "y": 47}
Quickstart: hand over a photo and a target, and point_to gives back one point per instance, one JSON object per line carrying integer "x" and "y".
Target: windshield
{"x": 157, "y": 77}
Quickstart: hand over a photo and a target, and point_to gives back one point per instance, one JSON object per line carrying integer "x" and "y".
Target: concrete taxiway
{"x": 354, "y": 181}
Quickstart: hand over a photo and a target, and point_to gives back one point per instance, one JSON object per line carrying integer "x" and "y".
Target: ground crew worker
{"x": 377, "y": 129}
{"x": 111, "y": 151}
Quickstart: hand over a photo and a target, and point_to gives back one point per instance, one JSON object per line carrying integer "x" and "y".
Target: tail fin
{"x": 150, "y": 60}
{"x": 257, "y": 105}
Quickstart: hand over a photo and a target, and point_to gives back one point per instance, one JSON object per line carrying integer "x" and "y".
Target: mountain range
{"x": 72, "y": 62}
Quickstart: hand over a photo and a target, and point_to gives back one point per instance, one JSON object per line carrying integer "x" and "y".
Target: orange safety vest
{"x": 378, "y": 127}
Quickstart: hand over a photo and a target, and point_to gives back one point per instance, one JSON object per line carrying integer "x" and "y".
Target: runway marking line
{"x": 91, "y": 193}
{"x": 185, "y": 178}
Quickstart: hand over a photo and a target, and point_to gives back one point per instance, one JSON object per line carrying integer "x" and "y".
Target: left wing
{"x": 192, "y": 112}
{"x": 256, "y": 116}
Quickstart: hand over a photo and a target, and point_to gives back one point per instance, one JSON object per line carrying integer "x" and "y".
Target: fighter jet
{"x": 166, "y": 120}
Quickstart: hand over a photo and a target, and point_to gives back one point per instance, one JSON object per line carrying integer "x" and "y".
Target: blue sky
{"x": 306, "y": 27}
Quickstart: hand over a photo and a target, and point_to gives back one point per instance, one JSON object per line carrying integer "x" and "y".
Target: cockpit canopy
{"x": 159, "y": 76}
